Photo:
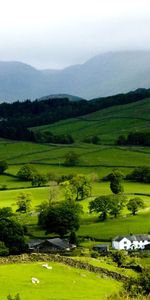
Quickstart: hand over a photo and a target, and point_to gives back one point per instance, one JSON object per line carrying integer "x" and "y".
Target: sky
{"x": 53, "y": 34}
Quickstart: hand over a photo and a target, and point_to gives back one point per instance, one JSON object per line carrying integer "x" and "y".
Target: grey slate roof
{"x": 132, "y": 238}
{"x": 59, "y": 243}
{"x": 56, "y": 242}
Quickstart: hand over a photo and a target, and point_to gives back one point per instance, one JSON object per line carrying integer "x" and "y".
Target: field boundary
{"x": 41, "y": 257}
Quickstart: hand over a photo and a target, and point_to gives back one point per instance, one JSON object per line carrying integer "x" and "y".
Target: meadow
{"x": 107, "y": 123}
{"x": 95, "y": 160}
{"x": 62, "y": 282}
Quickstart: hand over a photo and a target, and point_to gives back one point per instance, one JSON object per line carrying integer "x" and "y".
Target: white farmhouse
{"x": 131, "y": 242}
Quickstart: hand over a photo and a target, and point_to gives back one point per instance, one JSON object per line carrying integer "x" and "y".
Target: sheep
{"x": 46, "y": 266}
{"x": 35, "y": 280}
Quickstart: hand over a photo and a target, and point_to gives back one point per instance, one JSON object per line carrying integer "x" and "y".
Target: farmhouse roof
{"x": 132, "y": 238}
{"x": 59, "y": 243}
{"x": 34, "y": 243}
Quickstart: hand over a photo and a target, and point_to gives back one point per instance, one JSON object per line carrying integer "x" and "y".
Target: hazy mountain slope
{"x": 103, "y": 75}
{"x": 20, "y": 81}
{"x": 107, "y": 74}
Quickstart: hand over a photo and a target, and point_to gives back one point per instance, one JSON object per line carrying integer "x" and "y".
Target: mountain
{"x": 103, "y": 75}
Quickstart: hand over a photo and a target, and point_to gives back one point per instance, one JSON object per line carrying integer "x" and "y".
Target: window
{"x": 125, "y": 242}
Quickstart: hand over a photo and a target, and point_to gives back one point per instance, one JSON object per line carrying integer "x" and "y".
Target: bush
{"x": 94, "y": 254}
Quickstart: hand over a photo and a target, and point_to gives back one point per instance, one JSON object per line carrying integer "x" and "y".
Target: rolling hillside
{"x": 108, "y": 123}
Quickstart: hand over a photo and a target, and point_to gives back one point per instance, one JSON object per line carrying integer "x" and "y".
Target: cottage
{"x": 131, "y": 242}
{"x": 48, "y": 245}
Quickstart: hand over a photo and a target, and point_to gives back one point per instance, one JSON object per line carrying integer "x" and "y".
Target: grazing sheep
{"x": 35, "y": 280}
{"x": 47, "y": 266}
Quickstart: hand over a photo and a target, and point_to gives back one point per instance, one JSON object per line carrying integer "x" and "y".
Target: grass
{"x": 108, "y": 123}
{"x": 62, "y": 282}
{"x": 121, "y": 226}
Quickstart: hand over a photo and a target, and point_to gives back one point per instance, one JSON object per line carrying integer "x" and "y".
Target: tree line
{"x": 134, "y": 138}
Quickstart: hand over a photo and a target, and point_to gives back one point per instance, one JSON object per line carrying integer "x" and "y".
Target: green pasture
{"x": 61, "y": 282}
{"x": 123, "y": 225}
{"x": 94, "y": 159}
{"x": 108, "y": 123}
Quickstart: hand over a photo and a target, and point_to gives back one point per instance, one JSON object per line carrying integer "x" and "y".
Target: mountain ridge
{"x": 103, "y": 75}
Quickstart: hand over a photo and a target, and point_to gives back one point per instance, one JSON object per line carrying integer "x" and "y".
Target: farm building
{"x": 131, "y": 242}
{"x": 103, "y": 249}
{"x": 55, "y": 244}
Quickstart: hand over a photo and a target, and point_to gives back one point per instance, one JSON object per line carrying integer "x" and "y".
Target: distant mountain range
{"x": 103, "y": 75}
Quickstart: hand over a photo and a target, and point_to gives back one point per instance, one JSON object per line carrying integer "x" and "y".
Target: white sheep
{"x": 47, "y": 266}
{"x": 35, "y": 280}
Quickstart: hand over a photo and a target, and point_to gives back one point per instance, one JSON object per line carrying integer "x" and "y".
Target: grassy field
{"x": 60, "y": 283}
{"x": 108, "y": 123}
{"x": 97, "y": 159}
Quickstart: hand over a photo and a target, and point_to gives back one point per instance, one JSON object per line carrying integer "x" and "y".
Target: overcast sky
{"x": 58, "y": 33}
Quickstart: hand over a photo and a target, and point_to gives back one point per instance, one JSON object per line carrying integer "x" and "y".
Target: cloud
{"x": 62, "y": 32}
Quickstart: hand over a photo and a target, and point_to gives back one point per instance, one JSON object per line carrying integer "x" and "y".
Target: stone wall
{"x": 36, "y": 257}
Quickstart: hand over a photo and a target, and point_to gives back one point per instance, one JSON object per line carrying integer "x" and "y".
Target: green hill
{"x": 108, "y": 123}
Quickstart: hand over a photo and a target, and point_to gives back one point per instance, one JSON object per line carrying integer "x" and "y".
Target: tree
{"x": 12, "y": 234}
{"x": 140, "y": 174}
{"x": 6, "y": 212}
{"x": 60, "y": 217}
{"x": 3, "y": 166}
{"x": 4, "y": 251}
{"x": 71, "y": 159}
{"x": 27, "y": 172}
{"x": 77, "y": 188}
{"x": 119, "y": 257}
{"x": 100, "y": 205}
{"x": 107, "y": 204}
{"x": 24, "y": 202}
{"x": 134, "y": 204}
{"x": 116, "y": 182}
{"x": 73, "y": 238}
{"x": 117, "y": 203}
{"x": 39, "y": 179}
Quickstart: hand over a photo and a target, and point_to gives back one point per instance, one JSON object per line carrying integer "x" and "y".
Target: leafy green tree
{"x": 60, "y": 217}
{"x": 12, "y": 234}
{"x": 116, "y": 178}
{"x": 24, "y": 202}
{"x": 6, "y": 212}
{"x": 107, "y": 204}
{"x": 135, "y": 204}
{"x": 100, "y": 205}
{"x": 39, "y": 180}
{"x": 140, "y": 174}
{"x": 3, "y": 166}
{"x": 71, "y": 159}
{"x": 73, "y": 238}
{"x": 26, "y": 172}
{"x": 4, "y": 251}
{"x": 77, "y": 188}
{"x": 117, "y": 203}
{"x": 119, "y": 257}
